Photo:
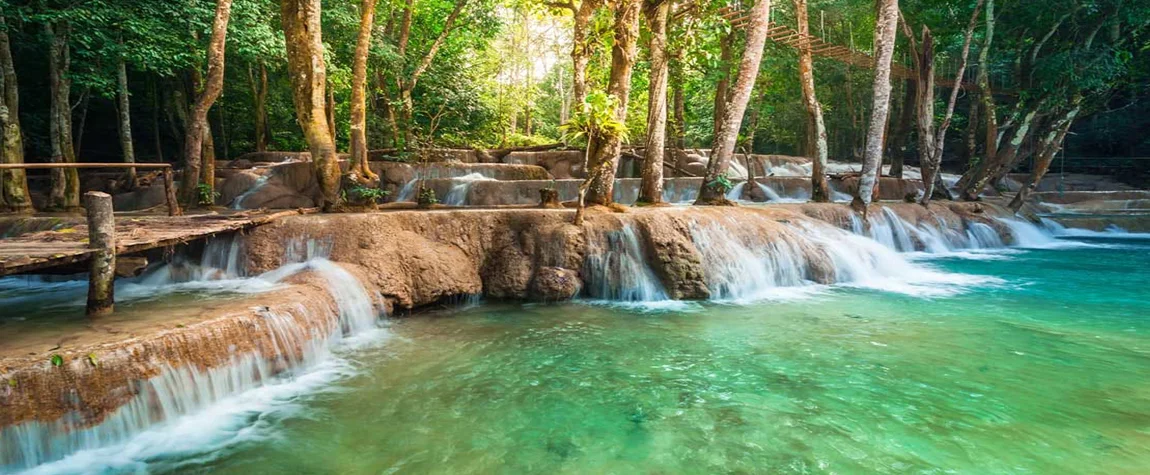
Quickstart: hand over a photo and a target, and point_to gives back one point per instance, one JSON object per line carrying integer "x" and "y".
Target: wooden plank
{"x": 43, "y": 166}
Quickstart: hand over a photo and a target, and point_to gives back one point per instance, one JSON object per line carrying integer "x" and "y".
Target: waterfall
{"x": 212, "y": 404}
{"x": 407, "y": 193}
{"x": 238, "y": 202}
{"x": 457, "y": 196}
{"x": 616, "y": 269}
{"x": 737, "y": 270}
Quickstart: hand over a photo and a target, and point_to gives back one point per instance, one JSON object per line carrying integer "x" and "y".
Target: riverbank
{"x": 335, "y": 275}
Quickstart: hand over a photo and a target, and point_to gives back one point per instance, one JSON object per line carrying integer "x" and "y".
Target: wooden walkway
{"x": 67, "y": 246}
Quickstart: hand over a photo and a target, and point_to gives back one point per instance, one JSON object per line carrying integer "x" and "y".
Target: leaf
{"x": 92, "y": 360}
{"x": 12, "y": 383}
{"x": 57, "y": 361}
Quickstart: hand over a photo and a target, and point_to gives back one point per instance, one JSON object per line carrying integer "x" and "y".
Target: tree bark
{"x": 125, "y": 123}
{"x": 651, "y": 184}
{"x": 722, "y": 88}
{"x": 605, "y": 160}
{"x": 302, "y": 34}
{"x": 358, "y": 127}
{"x": 13, "y": 183}
{"x": 1048, "y": 148}
{"x": 987, "y": 109}
{"x": 678, "y": 103}
{"x": 407, "y": 104}
{"x": 724, "y": 147}
{"x": 260, "y": 98}
{"x": 1003, "y": 160}
{"x": 65, "y": 190}
{"x": 208, "y": 168}
{"x": 581, "y": 49}
{"x": 933, "y": 166}
{"x": 198, "y": 118}
{"x": 885, "y": 26}
{"x": 816, "y": 128}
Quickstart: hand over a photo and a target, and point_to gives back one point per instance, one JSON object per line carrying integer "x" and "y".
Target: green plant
{"x": 92, "y": 360}
{"x": 205, "y": 195}
{"x": 427, "y": 197}
{"x": 57, "y": 360}
{"x": 12, "y": 383}
{"x": 597, "y": 119}
{"x": 721, "y": 183}
{"x": 367, "y": 194}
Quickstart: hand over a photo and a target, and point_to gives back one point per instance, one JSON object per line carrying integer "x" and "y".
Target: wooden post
{"x": 102, "y": 266}
{"x": 170, "y": 193}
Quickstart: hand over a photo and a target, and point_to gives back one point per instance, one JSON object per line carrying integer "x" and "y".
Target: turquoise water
{"x": 1044, "y": 367}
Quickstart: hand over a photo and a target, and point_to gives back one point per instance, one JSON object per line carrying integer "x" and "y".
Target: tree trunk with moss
{"x": 127, "y": 151}
{"x": 65, "y": 190}
{"x": 605, "y": 161}
{"x": 13, "y": 183}
{"x": 651, "y": 184}
{"x": 816, "y": 128}
{"x": 728, "y": 132}
{"x": 198, "y": 118}
{"x": 301, "y": 23}
{"x": 359, "y": 164}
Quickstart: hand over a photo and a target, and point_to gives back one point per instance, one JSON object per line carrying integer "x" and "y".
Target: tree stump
{"x": 102, "y": 266}
{"x": 549, "y": 198}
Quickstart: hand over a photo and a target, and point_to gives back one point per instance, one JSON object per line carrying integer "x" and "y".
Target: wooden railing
{"x": 169, "y": 182}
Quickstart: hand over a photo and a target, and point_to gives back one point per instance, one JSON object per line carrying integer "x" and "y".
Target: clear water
{"x": 1045, "y": 370}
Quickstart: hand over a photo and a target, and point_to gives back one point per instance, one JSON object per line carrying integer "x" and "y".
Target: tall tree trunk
{"x": 728, "y": 133}
{"x": 678, "y": 104}
{"x": 301, "y": 23}
{"x": 13, "y": 183}
{"x": 816, "y": 128}
{"x": 198, "y": 118}
{"x": 987, "y": 109}
{"x": 924, "y": 105}
{"x": 82, "y": 115}
{"x": 900, "y": 142}
{"x": 970, "y": 137}
{"x": 605, "y": 161}
{"x": 125, "y": 123}
{"x": 407, "y": 109}
{"x": 260, "y": 98}
{"x": 1048, "y": 147}
{"x": 1003, "y": 161}
{"x": 65, "y": 191}
{"x": 358, "y": 127}
{"x": 722, "y": 88}
{"x": 933, "y": 166}
{"x": 208, "y": 168}
{"x": 651, "y": 184}
{"x": 156, "y": 121}
{"x": 885, "y": 26}
{"x": 581, "y": 49}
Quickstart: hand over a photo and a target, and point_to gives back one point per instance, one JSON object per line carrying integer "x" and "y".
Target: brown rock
{"x": 555, "y": 284}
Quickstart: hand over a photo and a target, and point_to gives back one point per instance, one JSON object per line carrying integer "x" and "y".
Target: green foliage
{"x": 205, "y": 195}
{"x": 368, "y": 194}
{"x": 91, "y": 358}
{"x": 597, "y": 119}
{"x": 722, "y": 183}
{"x": 57, "y": 360}
{"x": 426, "y": 197}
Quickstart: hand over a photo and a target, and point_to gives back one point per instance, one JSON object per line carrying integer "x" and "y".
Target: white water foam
{"x": 457, "y": 196}
{"x": 616, "y": 269}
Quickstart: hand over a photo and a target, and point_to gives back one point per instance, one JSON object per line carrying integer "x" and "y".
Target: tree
{"x": 302, "y": 35}
{"x": 197, "y": 120}
{"x": 651, "y": 185}
{"x": 65, "y": 190}
{"x": 713, "y": 188}
{"x": 816, "y": 129}
{"x": 359, "y": 163}
{"x": 885, "y": 25}
{"x": 605, "y": 149}
{"x": 406, "y": 83}
{"x": 125, "y": 122}
{"x": 13, "y": 183}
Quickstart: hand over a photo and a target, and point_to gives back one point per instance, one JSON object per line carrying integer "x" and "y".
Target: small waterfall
{"x": 221, "y": 260}
{"x": 204, "y": 401}
{"x": 616, "y": 269}
{"x": 740, "y": 270}
{"x": 457, "y": 196}
{"x": 982, "y": 236}
{"x": 238, "y": 202}
{"x": 1028, "y": 235}
{"x": 407, "y": 193}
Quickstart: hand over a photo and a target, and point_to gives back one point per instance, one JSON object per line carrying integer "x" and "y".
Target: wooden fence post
{"x": 170, "y": 193}
{"x": 102, "y": 265}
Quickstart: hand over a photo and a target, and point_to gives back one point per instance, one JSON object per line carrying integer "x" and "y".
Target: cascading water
{"x": 743, "y": 270}
{"x": 238, "y": 202}
{"x": 299, "y": 339}
{"x": 616, "y": 269}
{"x": 461, "y": 186}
